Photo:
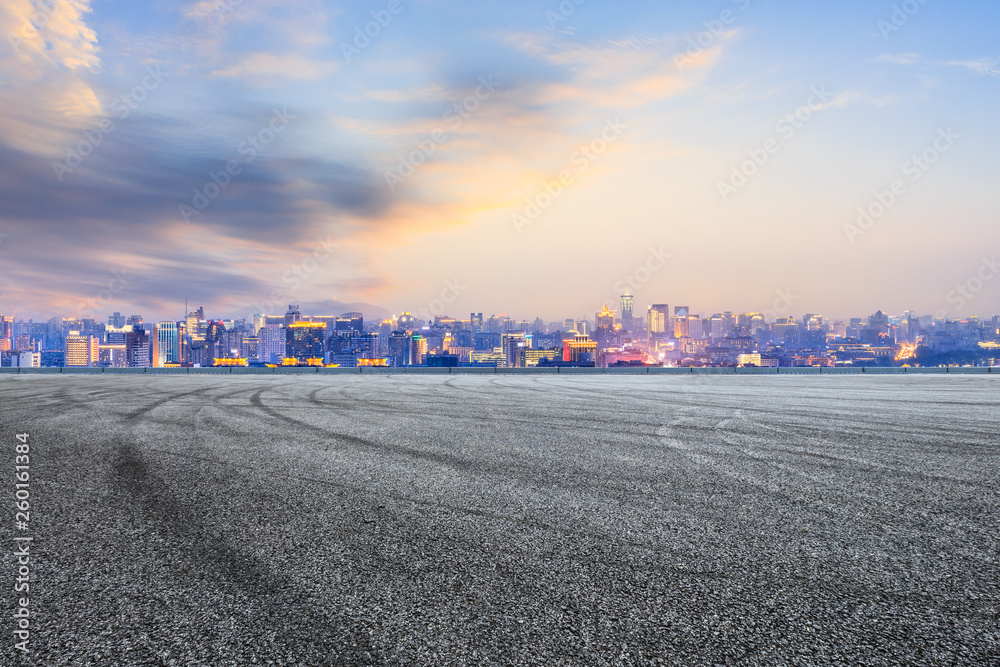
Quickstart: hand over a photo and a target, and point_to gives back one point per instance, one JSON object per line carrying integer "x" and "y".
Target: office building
{"x": 627, "y": 302}
{"x": 168, "y": 344}
{"x": 137, "y": 352}
{"x": 513, "y": 346}
{"x": 81, "y": 351}
{"x": 304, "y": 340}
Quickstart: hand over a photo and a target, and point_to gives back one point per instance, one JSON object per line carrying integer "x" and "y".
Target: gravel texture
{"x": 509, "y": 520}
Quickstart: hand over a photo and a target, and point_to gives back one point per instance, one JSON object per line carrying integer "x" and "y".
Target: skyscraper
{"x": 399, "y": 349}
{"x": 627, "y": 301}
{"x": 514, "y": 345}
{"x": 168, "y": 348}
{"x": 137, "y": 348}
{"x": 681, "y": 321}
{"x": 354, "y": 322}
{"x": 293, "y": 315}
{"x": 304, "y": 341}
{"x": 657, "y": 319}
{"x": 271, "y": 347}
{"x": 81, "y": 350}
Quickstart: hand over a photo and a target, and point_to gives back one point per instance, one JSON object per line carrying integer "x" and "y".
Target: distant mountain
{"x": 330, "y": 307}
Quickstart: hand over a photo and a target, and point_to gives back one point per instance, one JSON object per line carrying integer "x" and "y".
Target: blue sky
{"x": 367, "y": 185}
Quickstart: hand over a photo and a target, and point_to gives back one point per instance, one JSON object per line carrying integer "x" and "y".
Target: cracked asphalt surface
{"x": 497, "y": 520}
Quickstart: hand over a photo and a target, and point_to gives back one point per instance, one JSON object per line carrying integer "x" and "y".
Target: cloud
{"x": 984, "y": 66}
{"x": 269, "y": 66}
{"x": 120, "y": 209}
{"x": 51, "y": 49}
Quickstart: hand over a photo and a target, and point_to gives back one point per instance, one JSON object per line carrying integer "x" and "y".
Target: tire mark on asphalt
{"x": 298, "y": 624}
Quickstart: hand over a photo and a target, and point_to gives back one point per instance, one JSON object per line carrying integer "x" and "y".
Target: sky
{"x": 525, "y": 158}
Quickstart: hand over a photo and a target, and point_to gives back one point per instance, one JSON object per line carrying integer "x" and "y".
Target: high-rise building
{"x": 354, "y": 322}
{"x": 715, "y": 326}
{"x": 419, "y": 349}
{"x": 292, "y": 316}
{"x": 195, "y": 326}
{"x": 514, "y": 345}
{"x": 305, "y": 341}
{"x": 476, "y": 322}
{"x": 112, "y": 355}
{"x": 407, "y": 322}
{"x": 271, "y": 348}
{"x": 695, "y": 329}
{"x": 81, "y": 350}
{"x": 399, "y": 349}
{"x": 627, "y": 301}
{"x": 137, "y": 353}
{"x": 250, "y": 348}
{"x": 6, "y": 327}
{"x": 580, "y": 349}
{"x": 681, "y": 321}
{"x": 168, "y": 344}
{"x": 657, "y": 319}
{"x": 605, "y": 319}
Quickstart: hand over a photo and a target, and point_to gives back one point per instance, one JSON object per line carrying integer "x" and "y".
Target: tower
{"x": 627, "y": 301}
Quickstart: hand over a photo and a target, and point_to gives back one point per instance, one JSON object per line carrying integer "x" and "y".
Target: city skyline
{"x": 538, "y": 156}
{"x": 663, "y": 335}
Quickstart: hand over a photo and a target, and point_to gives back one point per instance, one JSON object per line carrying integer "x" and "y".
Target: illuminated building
{"x": 168, "y": 344}
{"x": 749, "y": 360}
{"x": 462, "y": 352}
{"x": 271, "y": 342}
{"x": 304, "y": 340}
{"x": 580, "y": 349}
{"x": 681, "y": 321}
{"x": 627, "y": 301}
{"x": 657, "y": 318}
{"x": 250, "y": 348}
{"x": 112, "y": 355}
{"x": 354, "y": 322}
{"x": 513, "y": 346}
{"x": 534, "y": 357}
{"x": 497, "y": 359}
{"x": 715, "y": 328}
{"x": 137, "y": 348}
{"x": 605, "y": 319}
{"x": 407, "y": 322}
{"x": 230, "y": 361}
{"x": 82, "y": 351}
{"x": 400, "y": 345}
{"x": 195, "y": 325}
{"x": 292, "y": 316}
{"x": 419, "y": 350}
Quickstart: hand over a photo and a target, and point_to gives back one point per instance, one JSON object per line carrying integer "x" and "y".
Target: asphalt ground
{"x": 499, "y": 520}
